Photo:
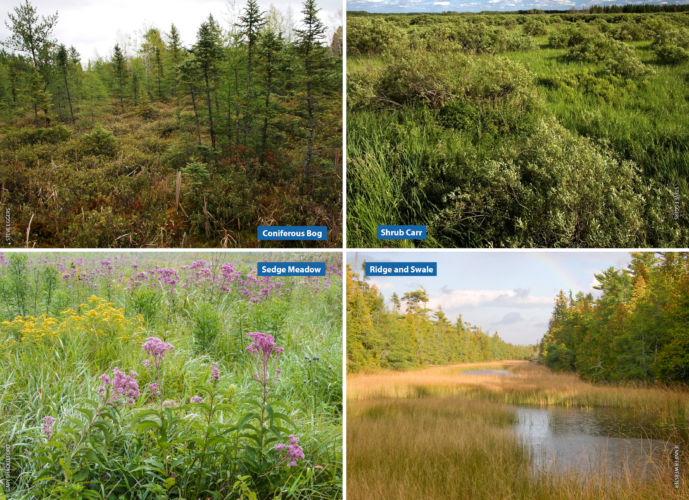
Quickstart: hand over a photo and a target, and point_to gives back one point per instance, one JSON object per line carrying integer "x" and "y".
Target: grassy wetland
{"x": 441, "y": 433}
{"x": 599, "y": 408}
{"x": 507, "y": 130}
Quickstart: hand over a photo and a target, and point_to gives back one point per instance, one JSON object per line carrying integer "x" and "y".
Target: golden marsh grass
{"x": 439, "y": 433}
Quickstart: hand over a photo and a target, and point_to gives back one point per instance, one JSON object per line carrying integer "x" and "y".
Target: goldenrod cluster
{"x": 97, "y": 317}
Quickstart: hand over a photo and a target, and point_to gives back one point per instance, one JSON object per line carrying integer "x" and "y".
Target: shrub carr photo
{"x": 527, "y": 128}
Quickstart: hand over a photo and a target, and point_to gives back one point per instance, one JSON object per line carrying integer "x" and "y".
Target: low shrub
{"x": 99, "y": 142}
{"x": 31, "y": 136}
{"x": 368, "y": 36}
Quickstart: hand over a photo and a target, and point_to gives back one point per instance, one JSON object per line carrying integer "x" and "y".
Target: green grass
{"x": 450, "y": 137}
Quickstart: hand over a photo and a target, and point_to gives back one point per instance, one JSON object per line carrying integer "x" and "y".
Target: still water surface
{"x": 606, "y": 441}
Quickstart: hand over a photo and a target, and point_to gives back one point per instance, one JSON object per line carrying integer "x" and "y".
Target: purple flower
{"x": 156, "y": 348}
{"x": 169, "y": 403}
{"x": 290, "y": 453}
{"x": 125, "y": 388}
{"x": 48, "y": 426}
{"x": 261, "y": 349}
{"x": 154, "y": 388}
{"x": 197, "y": 399}
{"x": 215, "y": 373}
{"x": 263, "y": 343}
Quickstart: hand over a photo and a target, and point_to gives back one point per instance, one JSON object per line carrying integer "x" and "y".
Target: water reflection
{"x": 499, "y": 373}
{"x": 585, "y": 441}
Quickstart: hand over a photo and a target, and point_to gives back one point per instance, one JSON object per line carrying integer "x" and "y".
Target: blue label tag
{"x": 291, "y": 269}
{"x": 401, "y": 232}
{"x": 293, "y": 233}
{"x": 401, "y": 269}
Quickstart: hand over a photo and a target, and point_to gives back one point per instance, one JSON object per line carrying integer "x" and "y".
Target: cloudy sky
{"x": 94, "y": 26}
{"x": 509, "y": 293}
{"x": 486, "y": 5}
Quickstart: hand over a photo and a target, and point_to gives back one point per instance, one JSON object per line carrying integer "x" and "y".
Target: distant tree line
{"x": 636, "y": 330}
{"x": 406, "y": 334}
{"x": 594, "y": 9}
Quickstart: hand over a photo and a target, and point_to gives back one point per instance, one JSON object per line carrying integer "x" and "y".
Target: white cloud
{"x": 498, "y": 298}
{"x": 441, "y": 3}
{"x": 382, "y": 285}
{"x": 510, "y": 318}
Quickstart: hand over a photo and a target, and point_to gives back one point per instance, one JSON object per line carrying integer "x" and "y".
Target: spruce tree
{"x": 250, "y": 26}
{"x": 120, "y": 70}
{"x": 207, "y": 54}
{"x": 62, "y": 60}
{"x": 175, "y": 51}
{"x": 314, "y": 59}
{"x": 270, "y": 47}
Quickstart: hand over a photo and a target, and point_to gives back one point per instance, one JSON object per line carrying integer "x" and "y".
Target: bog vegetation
{"x": 167, "y": 377}
{"x": 160, "y": 144}
{"x": 554, "y": 130}
{"x": 636, "y": 330}
{"x": 390, "y": 336}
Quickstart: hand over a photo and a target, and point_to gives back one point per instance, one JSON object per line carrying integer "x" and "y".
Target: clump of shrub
{"x": 624, "y": 62}
{"x": 593, "y": 47}
{"x": 672, "y": 46}
{"x": 535, "y": 27}
{"x": 558, "y": 190}
{"x": 368, "y": 36}
{"x": 99, "y": 142}
{"x": 671, "y": 54}
{"x": 31, "y": 136}
{"x": 631, "y": 32}
{"x": 421, "y": 78}
{"x": 145, "y": 110}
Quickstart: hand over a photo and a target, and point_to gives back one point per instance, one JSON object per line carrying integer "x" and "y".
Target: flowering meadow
{"x": 169, "y": 375}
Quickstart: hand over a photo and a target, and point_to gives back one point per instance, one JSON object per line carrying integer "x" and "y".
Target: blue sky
{"x": 482, "y": 5}
{"x": 510, "y": 293}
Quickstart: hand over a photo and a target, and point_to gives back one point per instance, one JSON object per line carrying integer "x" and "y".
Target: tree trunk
{"x": 121, "y": 96}
{"x": 309, "y": 149}
{"x": 264, "y": 132}
{"x": 248, "y": 96}
{"x": 196, "y": 114}
{"x": 69, "y": 97}
{"x": 210, "y": 109}
{"x": 236, "y": 106}
{"x": 229, "y": 112}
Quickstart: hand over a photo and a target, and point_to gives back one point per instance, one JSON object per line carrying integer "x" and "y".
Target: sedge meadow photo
{"x": 164, "y": 375}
